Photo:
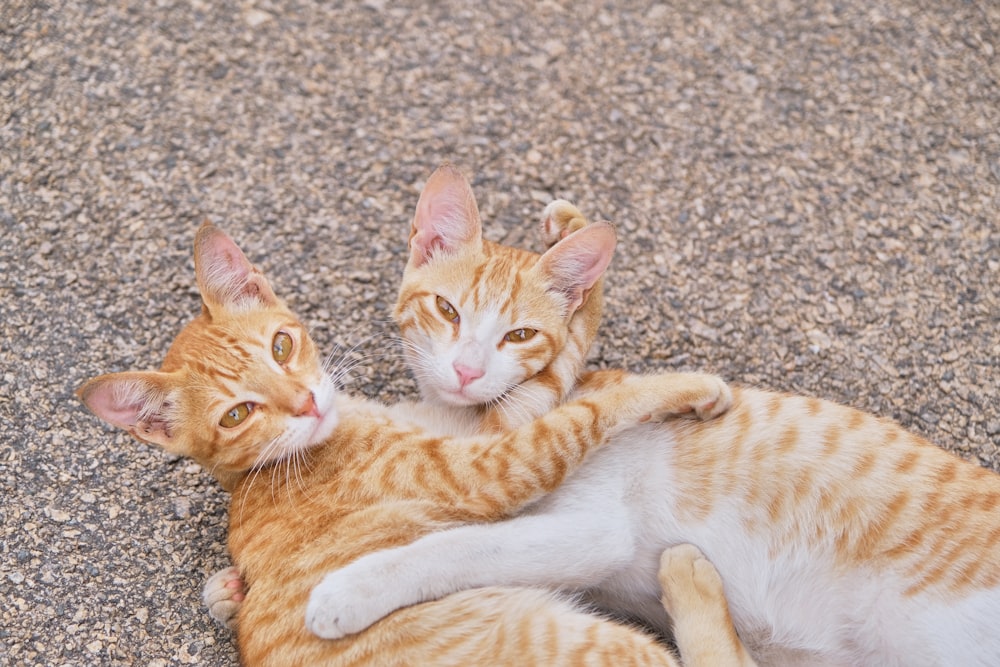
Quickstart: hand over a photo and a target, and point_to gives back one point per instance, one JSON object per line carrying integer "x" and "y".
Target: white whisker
{"x": 287, "y": 464}
{"x": 520, "y": 403}
{"x": 342, "y": 361}
{"x": 254, "y": 472}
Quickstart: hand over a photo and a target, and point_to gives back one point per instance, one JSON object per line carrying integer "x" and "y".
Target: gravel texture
{"x": 807, "y": 195}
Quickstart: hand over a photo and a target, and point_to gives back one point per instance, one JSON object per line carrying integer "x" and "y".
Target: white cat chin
{"x": 325, "y": 396}
{"x": 459, "y": 398}
{"x": 436, "y": 391}
{"x": 324, "y": 427}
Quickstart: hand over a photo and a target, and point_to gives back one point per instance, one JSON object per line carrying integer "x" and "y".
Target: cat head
{"x": 479, "y": 318}
{"x": 241, "y": 386}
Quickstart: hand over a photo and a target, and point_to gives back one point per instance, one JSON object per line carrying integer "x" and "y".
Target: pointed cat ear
{"x": 447, "y": 216}
{"x": 135, "y": 401}
{"x": 225, "y": 276}
{"x": 573, "y": 265}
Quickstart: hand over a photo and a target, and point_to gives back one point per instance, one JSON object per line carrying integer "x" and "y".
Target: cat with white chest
{"x": 841, "y": 538}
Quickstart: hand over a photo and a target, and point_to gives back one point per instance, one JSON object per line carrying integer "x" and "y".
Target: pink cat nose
{"x": 467, "y": 374}
{"x": 309, "y": 408}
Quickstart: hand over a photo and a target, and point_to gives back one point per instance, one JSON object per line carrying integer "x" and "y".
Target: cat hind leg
{"x": 694, "y": 597}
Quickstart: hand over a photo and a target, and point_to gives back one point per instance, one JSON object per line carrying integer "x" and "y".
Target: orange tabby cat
{"x": 538, "y": 376}
{"x": 841, "y": 538}
{"x": 320, "y": 478}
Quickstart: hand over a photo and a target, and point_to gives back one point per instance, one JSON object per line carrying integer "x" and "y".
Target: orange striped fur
{"x": 840, "y": 538}
{"x": 841, "y": 480}
{"x": 319, "y": 478}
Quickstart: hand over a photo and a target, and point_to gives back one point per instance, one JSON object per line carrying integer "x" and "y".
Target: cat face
{"x": 242, "y": 385}
{"x": 471, "y": 342}
{"x": 478, "y": 318}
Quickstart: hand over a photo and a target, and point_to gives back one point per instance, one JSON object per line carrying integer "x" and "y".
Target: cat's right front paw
{"x": 716, "y": 401}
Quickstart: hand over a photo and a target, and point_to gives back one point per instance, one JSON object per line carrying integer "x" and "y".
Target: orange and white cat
{"x": 319, "y": 478}
{"x": 841, "y": 538}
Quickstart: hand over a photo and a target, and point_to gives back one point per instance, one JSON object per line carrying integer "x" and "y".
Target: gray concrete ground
{"x": 807, "y": 194}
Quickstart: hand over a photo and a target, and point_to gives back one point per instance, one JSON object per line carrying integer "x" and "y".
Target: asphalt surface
{"x": 806, "y": 193}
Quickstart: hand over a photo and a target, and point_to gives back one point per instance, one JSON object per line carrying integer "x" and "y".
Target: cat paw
{"x": 694, "y": 597}
{"x": 560, "y": 219}
{"x": 697, "y": 395}
{"x": 223, "y": 594}
{"x": 342, "y": 604}
{"x": 688, "y": 581}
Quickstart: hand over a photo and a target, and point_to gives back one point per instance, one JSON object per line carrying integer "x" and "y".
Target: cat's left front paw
{"x": 344, "y": 604}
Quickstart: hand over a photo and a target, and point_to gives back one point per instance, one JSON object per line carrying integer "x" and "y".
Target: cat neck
{"x": 229, "y": 480}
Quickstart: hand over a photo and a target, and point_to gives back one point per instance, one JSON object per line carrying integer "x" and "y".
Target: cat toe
{"x": 716, "y": 406}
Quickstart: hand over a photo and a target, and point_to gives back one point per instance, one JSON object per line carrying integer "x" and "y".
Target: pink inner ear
{"x": 227, "y": 258}
{"x": 120, "y": 398}
{"x": 131, "y": 401}
{"x": 447, "y": 216}
{"x": 220, "y": 265}
{"x": 225, "y": 276}
{"x": 578, "y": 261}
{"x": 105, "y": 405}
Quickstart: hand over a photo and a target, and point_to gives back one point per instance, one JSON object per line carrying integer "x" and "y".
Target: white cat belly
{"x": 790, "y": 608}
{"x": 610, "y": 496}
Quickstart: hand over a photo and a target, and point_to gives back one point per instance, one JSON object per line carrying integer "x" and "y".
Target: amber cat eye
{"x": 235, "y": 415}
{"x": 281, "y": 346}
{"x": 447, "y": 310}
{"x": 520, "y": 335}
